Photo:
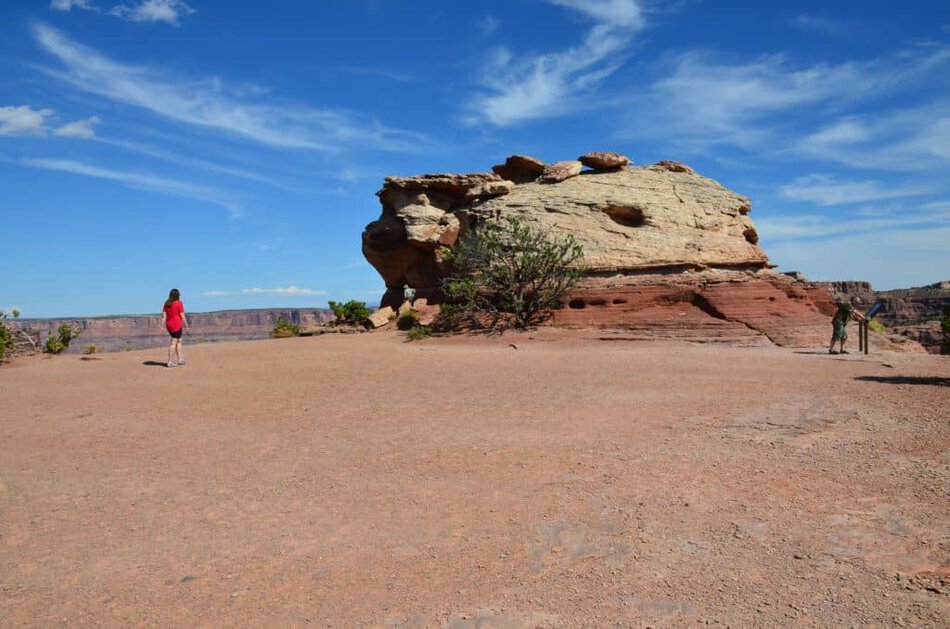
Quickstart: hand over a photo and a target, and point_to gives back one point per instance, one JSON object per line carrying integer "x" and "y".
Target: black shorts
{"x": 175, "y": 335}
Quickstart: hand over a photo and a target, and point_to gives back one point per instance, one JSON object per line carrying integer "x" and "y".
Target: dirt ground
{"x": 360, "y": 480}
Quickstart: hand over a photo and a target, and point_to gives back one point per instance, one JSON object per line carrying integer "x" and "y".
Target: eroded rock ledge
{"x": 669, "y": 252}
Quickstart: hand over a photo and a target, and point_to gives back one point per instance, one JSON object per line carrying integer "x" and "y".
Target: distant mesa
{"x": 668, "y": 253}
{"x": 127, "y": 332}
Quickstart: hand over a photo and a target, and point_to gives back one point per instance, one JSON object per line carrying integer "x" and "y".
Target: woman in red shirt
{"x": 173, "y": 320}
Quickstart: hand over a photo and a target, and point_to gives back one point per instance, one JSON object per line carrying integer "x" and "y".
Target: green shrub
{"x": 408, "y": 320}
{"x": 6, "y": 340}
{"x": 68, "y": 332}
{"x": 509, "y": 273}
{"x": 351, "y": 313}
{"x": 284, "y": 329}
{"x": 92, "y": 348}
{"x": 418, "y": 332}
{"x": 59, "y": 342}
{"x": 876, "y": 325}
{"x": 54, "y": 345}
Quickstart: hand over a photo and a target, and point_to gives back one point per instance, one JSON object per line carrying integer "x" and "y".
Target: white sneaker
{"x": 181, "y": 362}
{"x": 172, "y": 365}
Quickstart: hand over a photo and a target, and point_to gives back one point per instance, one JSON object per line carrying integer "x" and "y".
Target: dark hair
{"x": 173, "y": 296}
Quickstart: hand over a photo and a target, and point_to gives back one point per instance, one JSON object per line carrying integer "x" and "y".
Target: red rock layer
{"x": 733, "y": 306}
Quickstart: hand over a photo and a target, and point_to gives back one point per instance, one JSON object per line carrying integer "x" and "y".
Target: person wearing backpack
{"x": 839, "y": 323}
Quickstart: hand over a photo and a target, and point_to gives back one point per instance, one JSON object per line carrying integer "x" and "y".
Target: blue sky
{"x": 232, "y": 149}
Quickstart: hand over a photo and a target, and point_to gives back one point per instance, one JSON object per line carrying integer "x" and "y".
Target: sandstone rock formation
{"x": 382, "y": 316}
{"x": 673, "y": 167}
{"x": 668, "y": 252}
{"x": 560, "y": 171}
{"x": 603, "y": 160}
{"x": 520, "y": 168}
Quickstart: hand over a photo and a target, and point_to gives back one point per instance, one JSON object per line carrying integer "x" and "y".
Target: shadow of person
{"x": 934, "y": 381}
{"x": 154, "y": 363}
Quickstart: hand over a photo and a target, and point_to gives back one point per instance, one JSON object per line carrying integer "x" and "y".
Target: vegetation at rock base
{"x": 351, "y": 313}
{"x": 408, "y": 320}
{"x": 59, "y": 342}
{"x": 945, "y": 328}
{"x": 6, "y": 337}
{"x": 508, "y": 273}
{"x": 418, "y": 332}
{"x": 92, "y": 348}
{"x": 875, "y": 325}
{"x": 284, "y": 329}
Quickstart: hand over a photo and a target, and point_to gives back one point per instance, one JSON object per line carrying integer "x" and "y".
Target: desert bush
{"x": 408, "y": 320}
{"x": 876, "y": 325}
{"x": 351, "y": 313}
{"x": 284, "y": 329}
{"x": 59, "y": 342}
{"x": 92, "y": 348}
{"x": 509, "y": 273}
{"x": 418, "y": 332}
{"x": 54, "y": 345}
{"x": 6, "y": 340}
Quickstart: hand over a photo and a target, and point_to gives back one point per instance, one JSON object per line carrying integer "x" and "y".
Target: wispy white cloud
{"x": 23, "y": 120}
{"x": 799, "y": 227}
{"x": 144, "y": 181}
{"x": 294, "y": 291}
{"x": 285, "y": 291}
{"x": 816, "y": 23}
{"x": 704, "y": 101}
{"x": 911, "y": 139}
{"x": 488, "y": 25}
{"x": 82, "y": 129}
{"x": 212, "y": 104}
{"x": 828, "y": 190}
{"x": 623, "y": 13}
{"x": 68, "y": 5}
{"x": 170, "y": 11}
{"x": 192, "y": 162}
{"x": 522, "y": 87}
{"x": 393, "y": 75}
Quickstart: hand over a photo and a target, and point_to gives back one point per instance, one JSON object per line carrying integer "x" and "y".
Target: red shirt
{"x": 173, "y": 315}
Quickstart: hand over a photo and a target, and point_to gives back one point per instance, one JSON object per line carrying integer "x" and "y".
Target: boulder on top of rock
{"x": 673, "y": 167}
{"x": 520, "y": 168}
{"x": 604, "y": 160}
{"x": 450, "y": 186}
{"x": 560, "y": 171}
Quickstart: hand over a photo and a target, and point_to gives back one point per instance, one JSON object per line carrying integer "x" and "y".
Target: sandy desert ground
{"x": 360, "y": 480}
